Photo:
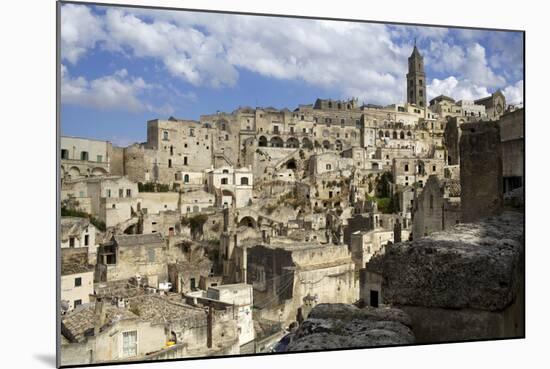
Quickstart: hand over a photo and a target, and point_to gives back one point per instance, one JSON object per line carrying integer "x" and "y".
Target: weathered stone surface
{"x": 332, "y": 326}
{"x": 476, "y": 265}
{"x": 480, "y": 170}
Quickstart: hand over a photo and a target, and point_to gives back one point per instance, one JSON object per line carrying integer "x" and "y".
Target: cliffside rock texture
{"x": 474, "y": 265}
{"x": 332, "y": 326}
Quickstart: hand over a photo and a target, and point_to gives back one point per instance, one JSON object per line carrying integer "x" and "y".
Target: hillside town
{"x": 333, "y": 224}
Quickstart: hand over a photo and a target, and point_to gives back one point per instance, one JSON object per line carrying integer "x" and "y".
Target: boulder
{"x": 333, "y": 326}
{"x": 475, "y": 265}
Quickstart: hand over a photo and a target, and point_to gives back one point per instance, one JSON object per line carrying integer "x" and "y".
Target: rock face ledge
{"x": 334, "y": 326}
{"x": 472, "y": 266}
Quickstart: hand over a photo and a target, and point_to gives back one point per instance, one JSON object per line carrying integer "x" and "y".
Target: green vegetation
{"x": 69, "y": 208}
{"x": 153, "y": 187}
{"x": 386, "y": 205}
{"x": 383, "y": 184}
{"x": 197, "y": 223}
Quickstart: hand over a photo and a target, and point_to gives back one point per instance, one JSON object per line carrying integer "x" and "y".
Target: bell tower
{"x": 416, "y": 79}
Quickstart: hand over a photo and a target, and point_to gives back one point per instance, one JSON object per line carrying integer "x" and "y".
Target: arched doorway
{"x": 293, "y": 142}
{"x": 247, "y": 221}
{"x": 276, "y": 141}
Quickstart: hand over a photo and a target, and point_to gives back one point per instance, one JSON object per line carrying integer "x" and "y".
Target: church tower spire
{"x": 416, "y": 79}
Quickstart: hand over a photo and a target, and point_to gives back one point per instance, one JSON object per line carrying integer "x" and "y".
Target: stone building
{"x": 77, "y": 278}
{"x": 204, "y": 333}
{"x": 241, "y": 298}
{"x": 196, "y": 201}
{"x": 83, "y": 157}
{"x": 133, "y": 256}
{"x": 79, "y": 233}
{"x": 103, "y": 333}
{"x": 409, "y": 171}
{"x": 185, "y": 275}
{"x": 111, "y": 199}
{"x": 495, "y": 105}
{"x": 288, "y": 277}
{"x": 446, "y": 106}
{"x": 416, "y": 80}
{"x": 233, "y": 187}
{"x": 365, "y": 244}
{"x": 437, "y": 207}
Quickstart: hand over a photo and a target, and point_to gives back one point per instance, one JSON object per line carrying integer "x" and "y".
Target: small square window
{"x": 78, "y": 282}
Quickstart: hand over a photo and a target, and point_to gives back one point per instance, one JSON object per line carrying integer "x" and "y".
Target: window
{"x": 108, "y": 193}
{"x": 99, "y": 158}
{"x": 244, "y": 181}
{"x": 165, "y": 135}
{"x": 64, "y": 154}
{"x": 114, "y": 206}
{"x": 77, "y": 303}
{"x": 406, "y": 167}
{"x": 129, "y": 344}
{"x": 78, "y": 282}
{"x": 71, "y": 241}
{"x": 420, "y": 82}
{"x": 192, "y": 283}
{"x": 224, "y": 181}
{"x": 185, "y": 160}
{"x": 301, "y": 117}
{"x": 128, "y": 192}
{"x": 84, "y": 155}
{"x": 171, "y": 150}
{"x": 192, "y": 132}
{"x": 275, "y": 129}
{"x": 186, "y": 178}
{"x": 151, "y": 256}
{"x": 329, "y": 167}
{"x": 291, "y": 129}
{"x": 86, "y": 240}
{"x": 227, "y": 137}
{"x": 433, "y": 168}
{"x": 169, "y": 163}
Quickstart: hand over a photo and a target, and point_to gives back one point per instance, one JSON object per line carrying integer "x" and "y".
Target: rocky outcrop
{"x": 333, "y": 326}
{"x": 472, "y": 266}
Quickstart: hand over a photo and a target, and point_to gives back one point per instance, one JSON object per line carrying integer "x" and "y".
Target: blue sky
{"x": 123, "y": 66}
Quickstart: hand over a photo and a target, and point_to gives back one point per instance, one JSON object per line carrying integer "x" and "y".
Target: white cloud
{"x": 80, "y": 31}
{"x": 363, "y": 60}
{"x": 468, "y": 62}
{"x": 514, "y": 93}
{"x": 117, "y": 91}
{"x": 356, "y": 58}
{"x": 457, "y": 89}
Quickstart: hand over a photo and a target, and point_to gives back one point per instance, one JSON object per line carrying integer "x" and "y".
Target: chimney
{"x": 99, "y": 315}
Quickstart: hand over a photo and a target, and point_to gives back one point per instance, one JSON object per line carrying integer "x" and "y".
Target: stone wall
{"x": 470, "y": 277}
{"x": 480, "y": 170}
